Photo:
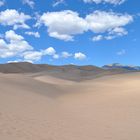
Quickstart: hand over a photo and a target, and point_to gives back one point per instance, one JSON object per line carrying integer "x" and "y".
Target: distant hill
{"x": 119, "y": 66}
{"x": 26, "y": 67}
{"x": 71, "y": 72}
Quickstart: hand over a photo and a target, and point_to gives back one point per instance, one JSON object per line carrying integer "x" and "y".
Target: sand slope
{"x": 42, "y": 107}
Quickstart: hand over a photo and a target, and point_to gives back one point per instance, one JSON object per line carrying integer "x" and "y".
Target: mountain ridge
{"x": 120, "y": 66}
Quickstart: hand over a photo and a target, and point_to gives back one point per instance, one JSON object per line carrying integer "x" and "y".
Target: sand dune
{"x": 42, "y": 107}
{"x": 67, "y": 72}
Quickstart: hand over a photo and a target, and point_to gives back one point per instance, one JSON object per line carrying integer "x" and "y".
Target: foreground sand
{"x": 48, "y": 108}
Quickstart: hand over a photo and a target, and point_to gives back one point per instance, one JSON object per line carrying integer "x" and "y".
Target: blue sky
{"x": 81, "y": 32}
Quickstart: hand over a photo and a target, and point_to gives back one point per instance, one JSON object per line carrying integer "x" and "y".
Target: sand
{"x": 49, "y": 108}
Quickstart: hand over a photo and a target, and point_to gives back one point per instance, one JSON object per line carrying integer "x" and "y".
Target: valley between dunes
{"x": 43, "y": 107}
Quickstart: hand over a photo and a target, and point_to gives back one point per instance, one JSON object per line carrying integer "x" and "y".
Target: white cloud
{"x": 66, "y": 55}
{"x": 79, "y": 56}
{"x": 16, "y": 42}
{"x": 56, "y": 56}
{"x": 12, "y": 36}
{"x": 35, "y": 34}
{"x": 37, "y": 18}
{"x": 30, "y": 3}
{"x": 11, "y": 17}
{"x": 114, "y": 33}
{"x": 109, "y": 37}
{"x": 118, "y": 31}
{"x": 65, "y": 24}
{"x": 2, "y": 2}
{"x": 57, "y": 2}
{"x": 64, "y": 37}
{"x": 13, "y": 45}
{"x": 49, "y": 51}
{"x": 115, "y": 2}
{"x": 32, "y": 55}
{"x": 97, "y": 38}
{"x": 101, "y": 21}
{"x": 37, "y": 55}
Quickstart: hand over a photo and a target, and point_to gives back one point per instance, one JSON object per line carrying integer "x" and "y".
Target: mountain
{"x": 119, "y": 66}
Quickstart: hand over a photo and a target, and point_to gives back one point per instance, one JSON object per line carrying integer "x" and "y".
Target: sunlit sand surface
{"x": 43, "y": 107}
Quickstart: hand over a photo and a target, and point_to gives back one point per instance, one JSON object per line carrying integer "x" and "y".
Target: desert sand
{"x": 43, "y": 107}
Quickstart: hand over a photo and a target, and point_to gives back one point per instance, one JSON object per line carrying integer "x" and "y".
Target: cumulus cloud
{"x": 118, "y": 31}
{"x": 64, "y": 37}
{"x": 11, "y": 17}
{"x": 101, "y": 21}
{"x": 35, "y": 34}
{"x": 115, "y": 2}
{"x": 114, "y": 33}
{"x": 30, "y": 3}
{"x": 49, "y": 51}
{"x": 13, "y": 45}
{"x": 79, "y": 56}
{"x": 64, "y": 25}
{"x": 2, "y": 2}
{"x": 32, "y": 56}
{"x": 12, "y": 36}
{"x": 37, "y": 55}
